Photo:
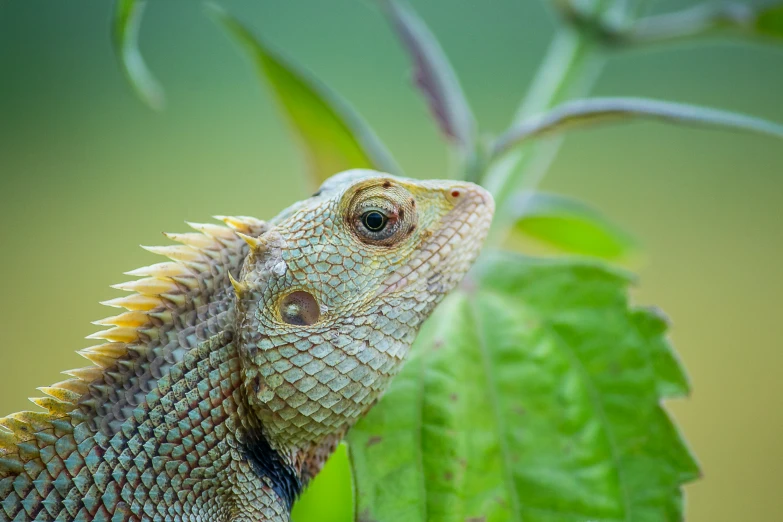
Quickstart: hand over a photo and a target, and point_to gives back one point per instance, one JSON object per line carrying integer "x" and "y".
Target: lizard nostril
{"x": 469, "y": 193}
{"x": 455, "y": 195}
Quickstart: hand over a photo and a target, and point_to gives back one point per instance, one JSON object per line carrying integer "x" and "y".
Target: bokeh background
{"x": 87, "y": 173}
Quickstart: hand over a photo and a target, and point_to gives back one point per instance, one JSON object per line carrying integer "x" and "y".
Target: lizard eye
{"x": 382, "y": 214}
{"x": 374, "y": 221}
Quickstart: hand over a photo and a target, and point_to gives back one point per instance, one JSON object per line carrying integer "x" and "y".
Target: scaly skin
{"x": 239, "y": 366}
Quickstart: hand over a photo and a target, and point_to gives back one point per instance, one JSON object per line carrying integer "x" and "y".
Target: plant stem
{"x": 570, "y": 68}
{"x": 699, "y": 21}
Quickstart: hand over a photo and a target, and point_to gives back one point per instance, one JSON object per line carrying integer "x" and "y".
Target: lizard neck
{"x": 205, "y": 433}
{"x": 307, "y": 388}
{"x": 307, "y": 384}
{"x": 260, "y": 464}
{"x": 289, "y": 434}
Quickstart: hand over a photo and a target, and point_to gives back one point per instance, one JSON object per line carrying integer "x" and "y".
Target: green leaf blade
{"x": 532, "y": 396}
{"x": 333, "y": 135}
{"x": 570, "y": 226}
{"x": 427, "y": 474}
{"x": 769, "y": 22}
{"x": 125, "y": 31}
{"x": 651, "y": 324}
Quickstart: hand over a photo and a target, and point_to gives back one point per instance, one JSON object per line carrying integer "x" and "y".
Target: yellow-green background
{"x": 87, "y": 173}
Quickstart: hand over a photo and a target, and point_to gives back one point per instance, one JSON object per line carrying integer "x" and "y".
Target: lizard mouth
{"x": 446, "y": 255}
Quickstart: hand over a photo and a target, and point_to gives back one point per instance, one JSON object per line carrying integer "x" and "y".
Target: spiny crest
{"x": 156, "y": 297}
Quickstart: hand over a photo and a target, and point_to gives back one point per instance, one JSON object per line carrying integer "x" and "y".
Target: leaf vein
{"x": 595, "y": 398}
{"x": 493, "y": 397}
{"x": 420, "y": 437}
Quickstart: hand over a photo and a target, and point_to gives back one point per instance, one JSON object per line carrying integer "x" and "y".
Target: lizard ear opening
{"x": 299, "y": 308}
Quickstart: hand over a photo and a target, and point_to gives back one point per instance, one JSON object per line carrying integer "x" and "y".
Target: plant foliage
{"x": 570, "y": 225}
{"x": 125, "y": 32}
{"x": 588, "y": 113}
{"x": 334, "y": 136}
{"x": 532, "y": 395}
{"x": 434, "y": 76}
{"x": 534, "y": 392}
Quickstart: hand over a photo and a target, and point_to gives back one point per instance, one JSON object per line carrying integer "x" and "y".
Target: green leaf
{"x": 571, "y": 226}
{"x": 734, "y": 19}
{"x": 125, "y": 32}
{"x": 328, "y": 496}
{"x": 769, "y": 21}
{"x": 593, "y": 111}
{"x": 434, "y": 75}
{"x": 533, "y": 395}
{"x": 333, "y": 134}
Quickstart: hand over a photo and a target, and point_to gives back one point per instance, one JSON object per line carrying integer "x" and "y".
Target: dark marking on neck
{"x": 266, "y": 462}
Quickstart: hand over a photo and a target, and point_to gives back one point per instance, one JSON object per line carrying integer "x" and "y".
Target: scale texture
{"x": 237, "y": 367}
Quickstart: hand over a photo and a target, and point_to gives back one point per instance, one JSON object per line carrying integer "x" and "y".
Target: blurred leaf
{"x": 593, "y": 111}
{"x": 125, "y": 32}
{"x": 329, "y": 495}
{"x": 742, "y": 19}
{"x": 434, "y": 75}
{"x": 334, "y": 136}
{"x": 769, "y": 21}
{"x": 570, "y": 225}
{"x": 533, "y": 395}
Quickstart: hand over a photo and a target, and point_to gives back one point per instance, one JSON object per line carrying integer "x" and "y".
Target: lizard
{"x": 239, "y": 364}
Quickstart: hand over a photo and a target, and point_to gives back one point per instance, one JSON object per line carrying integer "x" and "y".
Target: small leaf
{"x": 533, "y": 396}
{"x": 328, "y": 496}
{"x": 571, "y": 226}
{"x": 125, "y": 33}
{"x": 434, "y": 75}
{"x": 769, "y": 21}
{"x": 592, "y": 111}
{"x": 735, "y": 19}
{"x": 334, "y": 136}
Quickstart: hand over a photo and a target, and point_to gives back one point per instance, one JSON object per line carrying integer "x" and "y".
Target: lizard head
{"x": 331, "y": 297}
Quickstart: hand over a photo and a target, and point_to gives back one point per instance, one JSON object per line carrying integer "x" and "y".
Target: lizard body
{"x": 239, "y": 365}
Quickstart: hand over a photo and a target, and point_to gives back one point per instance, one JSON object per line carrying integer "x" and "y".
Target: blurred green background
{"x": 87, "y": 173}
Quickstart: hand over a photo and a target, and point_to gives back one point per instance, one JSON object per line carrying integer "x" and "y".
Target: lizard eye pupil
{"x": 374, "y": 221}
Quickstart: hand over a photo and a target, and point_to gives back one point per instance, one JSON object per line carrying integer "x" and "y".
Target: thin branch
{"x": 589, "y": 112}
{"x": 703, "y": 20}
{"x": 434, "y": 75}
{"x": 696, "y": 22}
